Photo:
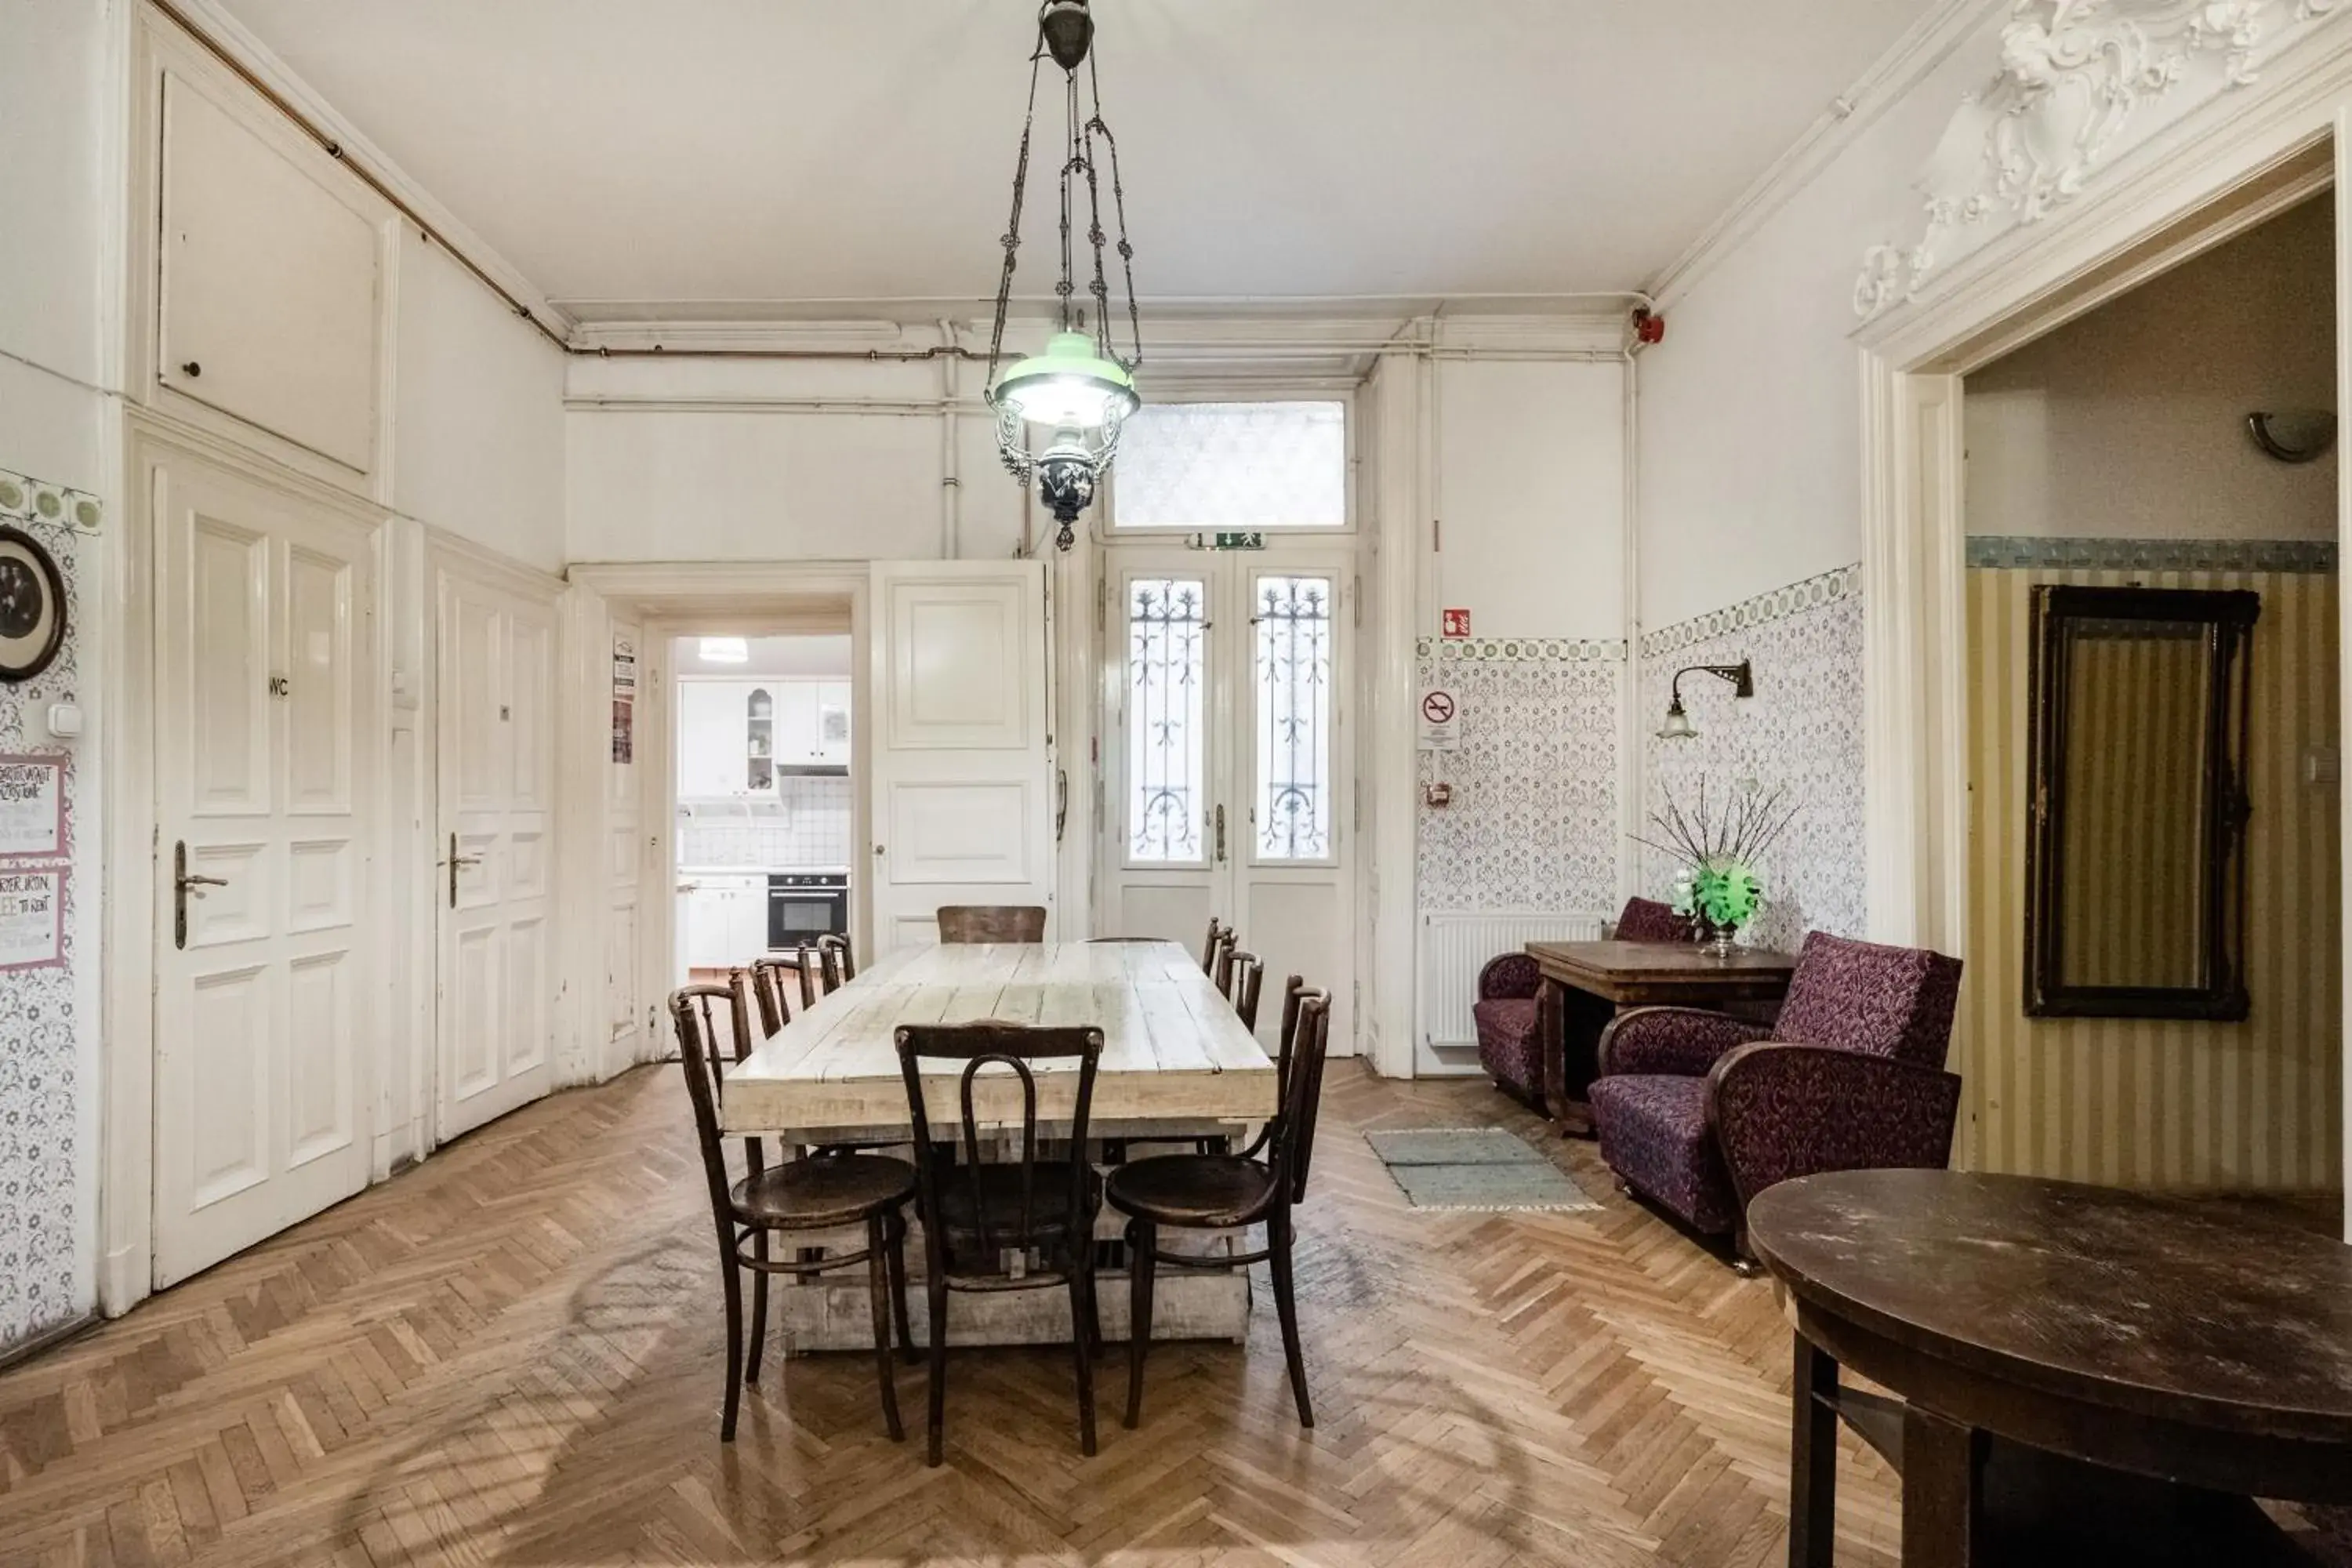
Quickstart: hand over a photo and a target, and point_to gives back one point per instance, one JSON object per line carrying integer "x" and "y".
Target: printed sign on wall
{"x": 32, "y": 806}
{"x": 32, "y": 918}
{"x": 624, "y": 699}
{"x": 1457, "y": 623}
{"x": 1441, "y": 721}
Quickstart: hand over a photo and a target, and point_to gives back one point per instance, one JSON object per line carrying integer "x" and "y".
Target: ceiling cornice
{"x": 250, "y": 52}
{"x": 1929, "y": 42}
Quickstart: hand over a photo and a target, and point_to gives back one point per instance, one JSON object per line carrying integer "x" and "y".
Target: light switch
{"x": 2322, "y": 765}
{"x": 64, "y": 720}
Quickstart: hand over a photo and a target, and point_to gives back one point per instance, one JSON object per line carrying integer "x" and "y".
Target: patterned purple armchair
{"x": 1506, "y": 1009}
{"x": 1700, "y": 1111}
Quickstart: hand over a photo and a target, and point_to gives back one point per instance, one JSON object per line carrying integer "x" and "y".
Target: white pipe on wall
{"x": 950, "y": 472}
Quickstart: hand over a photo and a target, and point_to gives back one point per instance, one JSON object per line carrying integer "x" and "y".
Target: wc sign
{"x": 1441, "y": 721}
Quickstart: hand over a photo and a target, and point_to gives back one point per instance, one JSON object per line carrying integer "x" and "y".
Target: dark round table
{"x": 2078, "y": 1369}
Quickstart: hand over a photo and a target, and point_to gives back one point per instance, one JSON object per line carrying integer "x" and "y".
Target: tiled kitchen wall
{"x": 807, "y": 825}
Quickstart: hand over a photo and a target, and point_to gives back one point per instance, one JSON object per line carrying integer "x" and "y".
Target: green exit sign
{"x": 1229, "y": 541}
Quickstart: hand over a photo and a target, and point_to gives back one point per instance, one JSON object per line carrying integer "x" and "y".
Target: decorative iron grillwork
{"x": 1293, "y": 808}
{"x": 1166, "y": 681}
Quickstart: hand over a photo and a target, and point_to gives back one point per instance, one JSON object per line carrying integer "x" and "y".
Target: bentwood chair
{"x": 1222, "y": 945}
{"x": 992, "y": 922}
{"x": 826, "y": 1192}
{"x": 1227, "y": 1192}
{"x": 1221, "y": 936}
{"x": 1020, "y": 1223}
{"x": 837, "y": 964}
{"x": 767, "y": 988}
{"x": 1244, "y": 979}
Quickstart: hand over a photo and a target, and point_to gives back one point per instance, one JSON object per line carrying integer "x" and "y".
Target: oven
{"x": 805, "y": 905}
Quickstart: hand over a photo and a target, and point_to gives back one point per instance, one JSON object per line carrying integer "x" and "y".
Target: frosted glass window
{"x": 1293, "y": 813}
{"x": 1167, "y": 626}
{"x": 1233, "y": 467}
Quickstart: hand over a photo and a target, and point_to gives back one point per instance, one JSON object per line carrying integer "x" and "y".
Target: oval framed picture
{"x": 32, "y": 605}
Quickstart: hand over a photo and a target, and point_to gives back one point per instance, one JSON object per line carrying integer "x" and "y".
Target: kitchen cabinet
{"x": 723, "y": 919}
{"x": 711, "y": 739}
{"x": 735, "y": 737}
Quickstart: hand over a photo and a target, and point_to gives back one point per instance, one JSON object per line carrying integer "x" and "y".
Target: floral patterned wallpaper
{"x": 1802, "y": 730}
{"x": 41, "y": 1217}
{"x": 1533, "y": 824}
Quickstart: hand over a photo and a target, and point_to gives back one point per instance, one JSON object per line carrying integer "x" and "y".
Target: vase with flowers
{"x": 1718, "y": 845}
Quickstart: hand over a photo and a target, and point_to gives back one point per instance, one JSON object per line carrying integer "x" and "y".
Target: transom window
{"x": 1232, "y": 467}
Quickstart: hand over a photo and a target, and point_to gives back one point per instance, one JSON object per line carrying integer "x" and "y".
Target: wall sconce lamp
{"x": 2294, "y": 434}
{"x": 1678, "y": 726}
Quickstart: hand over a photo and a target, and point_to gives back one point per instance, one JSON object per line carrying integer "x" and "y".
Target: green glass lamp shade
{"x": 1069, "y": 386}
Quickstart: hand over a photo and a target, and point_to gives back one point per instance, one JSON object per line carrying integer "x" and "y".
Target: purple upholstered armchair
{"x": 1700, "y": 1111}
{"x": 1506, "y": 1009}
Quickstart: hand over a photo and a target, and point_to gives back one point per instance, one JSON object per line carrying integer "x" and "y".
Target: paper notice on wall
{"x": 1441, "y": 721}
{"x": 32, "y": 806}
{"x": 32, "y": 918}
{"x": 624, "y": 699}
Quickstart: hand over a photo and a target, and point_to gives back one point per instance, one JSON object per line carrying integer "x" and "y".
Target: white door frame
{"x": 676, "y": 599}
{"x": 2224, "y": 174}
{"x": 121, "y": 623}
{"x": 1227, "y": 715}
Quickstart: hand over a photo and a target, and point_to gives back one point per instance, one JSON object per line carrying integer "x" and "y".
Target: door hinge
{"x": 1102, "y": 603}
{"x": 1356, "y": 599}
{"x": 1437, "y": 536}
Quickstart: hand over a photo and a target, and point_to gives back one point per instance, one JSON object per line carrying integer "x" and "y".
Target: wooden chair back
{"x": 838, "y": 965}
{"x": 768, "y": 993}
{"x": 1220, "y": 961}
{"x": 695, "y": 1012}
{"x": 1014, "y": 1047}
{"x": 992, "y": 922}
{"x": 1219, "y": 936}
{"x": 1300, "y": 1071}
{"x": 1248, "y": 978}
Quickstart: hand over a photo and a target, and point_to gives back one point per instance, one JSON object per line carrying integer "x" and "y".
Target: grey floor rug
{"x": 1474, "y": 1168}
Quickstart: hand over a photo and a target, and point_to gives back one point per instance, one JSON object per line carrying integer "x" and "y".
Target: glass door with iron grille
{"x": 1226, "y": 789}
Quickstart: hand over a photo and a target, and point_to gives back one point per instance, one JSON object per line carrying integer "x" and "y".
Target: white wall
{"x": 1531, "y": 492}
{"x": 477, "y": 439}
{"x": 59, "y": 151}
{"x": 1749, "y": 424}
{"x": 2130, "y": 422}
{"x": 57, "y": 104}
{"x": 726, "y": 460}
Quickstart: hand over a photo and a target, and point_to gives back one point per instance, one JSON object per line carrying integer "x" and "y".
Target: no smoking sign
{"x": 1441, "y": 721}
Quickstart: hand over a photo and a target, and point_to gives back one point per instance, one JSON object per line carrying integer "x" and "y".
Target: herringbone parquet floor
{"x": 512, "y": 1355}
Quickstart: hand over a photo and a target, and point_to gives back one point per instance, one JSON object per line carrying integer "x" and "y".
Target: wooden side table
{"x": 1585, "y": 984}
{"x": 2083, "y": 1375}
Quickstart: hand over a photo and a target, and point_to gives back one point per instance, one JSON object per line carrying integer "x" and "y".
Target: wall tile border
{"x": 23, "y": 499}
{"x": 1778, "y": 604}
{"x": 1999, "y": 552}
{"x": 1521, "y": 650}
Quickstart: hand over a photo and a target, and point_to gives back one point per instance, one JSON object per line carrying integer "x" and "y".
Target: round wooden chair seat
{"x": 1000, "y": 1195}
{"x": 830, "y": 1190}
{"x": 1192, "y": 1190}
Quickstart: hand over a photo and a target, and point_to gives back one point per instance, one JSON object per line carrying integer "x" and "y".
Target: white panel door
{"x": 266, "y": 1033}
{"x": 1227, "y": 789}
{"x": 962, "y": 805}
{"x": 496, "y": 737}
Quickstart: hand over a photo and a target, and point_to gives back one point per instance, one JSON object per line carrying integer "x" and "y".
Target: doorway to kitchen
{"x": 766, "y": 806}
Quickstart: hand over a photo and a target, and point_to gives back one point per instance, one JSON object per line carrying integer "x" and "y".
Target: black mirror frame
{"x": 2229, "y": 616}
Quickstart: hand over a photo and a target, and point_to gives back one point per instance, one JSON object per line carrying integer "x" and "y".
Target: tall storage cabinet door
{"x": 270, "y": 285}
{"x": 267, "y": 1031}
{"x": 962, "y": 805}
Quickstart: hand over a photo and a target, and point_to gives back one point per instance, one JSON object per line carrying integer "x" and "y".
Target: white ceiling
{"x": 652, "y": 157}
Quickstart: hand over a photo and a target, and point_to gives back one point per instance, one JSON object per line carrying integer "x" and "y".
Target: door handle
{"x": 457, "y": 863}
{"x": 185, "y": 882}
{"x": 1220, "y": 835}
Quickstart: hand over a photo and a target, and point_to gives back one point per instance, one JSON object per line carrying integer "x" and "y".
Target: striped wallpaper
{"x": 2150, "y": 1102}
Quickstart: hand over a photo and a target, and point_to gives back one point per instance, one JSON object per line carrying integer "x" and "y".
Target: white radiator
{"x": 1454, "y": 947}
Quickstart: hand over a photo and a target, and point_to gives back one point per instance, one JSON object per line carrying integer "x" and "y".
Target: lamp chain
{"x": 1119, "y": 212}
{"x": 1012, "y": 228}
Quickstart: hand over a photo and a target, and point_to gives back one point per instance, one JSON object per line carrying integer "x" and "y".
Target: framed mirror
{"x": 2135, "y": 872}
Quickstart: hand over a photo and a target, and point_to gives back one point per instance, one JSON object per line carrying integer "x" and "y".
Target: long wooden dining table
{"x": 1177, "y": 1064}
